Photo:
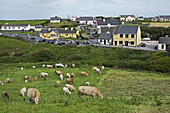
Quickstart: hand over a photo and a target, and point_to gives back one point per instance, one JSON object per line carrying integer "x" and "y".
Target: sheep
{"x": 68, "y": 80}
{"x": 49, "y": 66}
{"x": 59, "y": 65}
{"x": 25, "y": 77}
{"x": 72, "y": 75}
{"x": 70, "y": 87}
{"x": 43, "y": 65}
{"x": 87, "y": 83}
{"x": 84, "y": 73}
{"x": 68, "y": 75}
{"x": 33, "y": 94}
{"x": 58, "y": 83}
{"x": 94, "y": 68}
{"x": 61, "y": 76}
{"x": 22, "y": 68}
{"x": 88, "y": 90}
{"x": 102, "y": 68}
{"x": 58, "y": 72}
{"x": 35, "y": 79}
{"x": 31, "y": 80}
{"x": 65, "y": 66}
{"x": 8, "y": 80}
{"x": 66, "y": 91}
{"x": 73, "y": 65}
{"x": 5, "y": 94}
{"x": 98, "y": 71}
{"x": 22, "y": 91}
{"x": 26, "y": 81}
{"x": 33, "y": 67}
{"x": 1, "y": 83}
{"x": 43, "y": 74}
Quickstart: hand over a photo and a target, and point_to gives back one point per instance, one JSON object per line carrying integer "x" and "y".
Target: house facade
{"x": 55, "y": 20}
{"x": 127, "y": 36}
{"x": 86, "y": 20}
{"x": 164, "y": 43}
{"x": 16, "y": 27}
{"x": 141, "y": 18}
{"x": 162, "y": 18}
{"x": 127, "y": 18}
{"x": 105, "y": 39}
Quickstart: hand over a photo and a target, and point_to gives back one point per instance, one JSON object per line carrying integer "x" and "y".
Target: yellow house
{"x": 127, "y": 36}
{"x": 68, "y": 33}
{"x": 49, "y": 34}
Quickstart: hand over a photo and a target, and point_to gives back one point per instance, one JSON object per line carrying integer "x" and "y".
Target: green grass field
{"x": 123, "y": 90}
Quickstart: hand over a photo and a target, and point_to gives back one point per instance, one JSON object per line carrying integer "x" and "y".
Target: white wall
{"x": 54, "y": 21}
{"x": 107, "y": 43}
{"x": 18, "y": 28}
{"x": 162, "y": 47}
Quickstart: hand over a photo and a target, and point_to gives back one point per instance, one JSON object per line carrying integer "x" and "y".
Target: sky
{"x": 44, "y": 9}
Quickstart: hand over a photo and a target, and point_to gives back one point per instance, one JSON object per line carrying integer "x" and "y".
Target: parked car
{"x": 86, "y": 43}
{"x": 59, "y": 43}
{"x": 142, "y": 44}
{"x": 42, "y": 40}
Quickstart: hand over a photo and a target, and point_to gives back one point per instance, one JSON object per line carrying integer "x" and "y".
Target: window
{"x": 71, "y": 34}
{"x": 24, "y": 27}
{"x": 132, "y": 43}
{"x": 132, "y": 36}
{"x": 100, "y": 40}
{"x": 121, "y": 35}
{"x": 53, "y": 35}
{"x": 18, "y": 27}
{"x": 66, "y": 34}
{"x": 13, "y": 28}
{"x": 4, "y": 27}
{"x": 127, "y": 36}
{"x": 120, "y": 42}
{"x": 108, "y": 41}
{"x": 162, "y": 46}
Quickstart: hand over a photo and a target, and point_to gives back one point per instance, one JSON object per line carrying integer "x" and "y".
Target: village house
{"x": 161, "y": 18}
{"x": 105, "y": 39}
{"x": 127, "y": 36}
{"x": 55, "y": 19}
{"x": 107, "y": 23}
{"x": 127, "y": 18}
{"x": 164, "y": 43}
{"x": 73, "y": 18}
{"x": 16, "y": 27}
{"x": 86, "y": 20}
{"x": 141, "y": 18}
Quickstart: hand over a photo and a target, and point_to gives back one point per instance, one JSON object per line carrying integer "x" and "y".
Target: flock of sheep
{"x": 34, "y": 95}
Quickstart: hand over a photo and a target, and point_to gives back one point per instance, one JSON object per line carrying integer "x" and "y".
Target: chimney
{"x": 104, "y": 20}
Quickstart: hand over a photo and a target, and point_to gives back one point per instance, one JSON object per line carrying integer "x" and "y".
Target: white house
{"x": 105, "y": 39}
{"x": 164, "y": 42}
{"x": 16, "y": 27}
{"x": 141, "y": 18}
{"x": 55, "y": 20}
{"x": 73, "y": 18}
{"x": 127, "y": 17}
{"x": 86, "y": 20}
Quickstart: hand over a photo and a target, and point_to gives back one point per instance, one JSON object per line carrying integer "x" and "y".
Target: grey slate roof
{"x": 125, "y": 16}
{"x": 126, "y": 30}
{"x": 105, "y": 36}
{"x": 54, "y": 18}
{"x": 165, "y": 16}
{"x": 14, "y": 25}
{"x": 85, "y": 18}
{"x": 107, "y": 29}
{"x": 44, "y": 31}
{"x": 164, "y": 40}
{"x": 108, "y": 21}
{"x": 59, "y": 31}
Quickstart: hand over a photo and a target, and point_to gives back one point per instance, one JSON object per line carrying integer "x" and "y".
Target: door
{"x": 126, "y": 43}
{"x": 104, "y": 42}
{"x": 115, "y": 43}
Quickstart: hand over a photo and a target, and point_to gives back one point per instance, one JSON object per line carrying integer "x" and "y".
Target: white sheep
{"x": 26, "y": 81}
{"x": 43, "y": 65}
{"x": 43, "y": 74}
{"x": 87, "y": 83}
{"x": 65, "y": 66}
{"x": 58, "y": 83}
{"x": 22, "y": 91}
{"x": 61, "y": 76}
{"x": 22, "y": 68}
{"x": 1, "y": 83}
{"x": 98, "y": 71}
{"x": 66, "y": 91}
{"x": 68, "y": 75}
{"x": 8, "y": 80}
{"x": 102, "y": 68}
{"x": 33, "y": 67}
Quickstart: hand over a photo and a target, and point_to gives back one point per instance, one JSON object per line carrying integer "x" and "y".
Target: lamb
{"x": 1, "y": 83}
{"x": 88, "y": 90}
{"x": 102, "y": 68}
{"x": 33, "y": 67}
{"x": 68, "y": 80}
{"x": 58, "y": 83}
{"x": 58, "y": 72}
{"x": 22, "y": 91}
{"x": 73, "y": 65}
{"x": 31, "y": 80}
{"x": 98, "y": 71}
{"x": 66, "y": 91}
{"x": 72, "y": 75}
{"x": 65, "y": 66}
{"x": 87, "y": 83}
{"x": 49, "y": 66}
{"x": 8, "y": 80}
{"x": 43, "y": 74}
{"x": 35, "y": 79}
{"x": 61, "y": 76}
{"x": 68, "y": 75}
{"x": 5, "y": 94}
{"x": 70, "y": 87}
{"x": 22, "y": 68}
{"x": 26, "y": 81}
{"x": 59, "y": 65}
{"x": 43, "y": 65}
{"x": 25, "y": 77}
{"x": 84, "y": 73}
{"x": 33, "y": 94}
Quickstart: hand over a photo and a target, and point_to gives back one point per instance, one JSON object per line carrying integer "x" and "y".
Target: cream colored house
{"x": 127, "y": 18}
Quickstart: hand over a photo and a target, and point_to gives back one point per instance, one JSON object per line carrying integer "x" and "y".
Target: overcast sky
{"x": 34, "y": 9}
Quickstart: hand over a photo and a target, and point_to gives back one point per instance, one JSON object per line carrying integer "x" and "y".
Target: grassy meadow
{"x": 123, "y": 90}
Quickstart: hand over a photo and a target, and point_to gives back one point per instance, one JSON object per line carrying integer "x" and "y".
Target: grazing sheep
{"x": 65, "y": 66}
{"x": 88, "y": 90}
{"x": 33, "y": 94}
{"x": 8, "y": 80}
{"x": 25, "y": 77}
{"x": 61, "y": 76}
{"x": 33, "y": 67}
{"x": 84, "y": 73}
{"x": 1, "y": 83}
{"x": 68, "y": 80}
{"x": 66, "y": 91}
{"x": 49, "y": 66}
{"x": 22, "y": 91}
{"x": 94, "y": 68}
{"x": 87, "y": 83}
{"x": 58, "y": 72}
{"x": 26, "y": 81}
{"x": 68, "y": 75}
{"x": 73, "y": 65}
{"x": 31, "y": 80}
{"x": 43, "y": 65}
{"x": 43, "y": 74}
{"x": 58, "y": 83}
{"x": 102, "y": 68}
{"x": 22, "y": 68}
{"x": 59, "y": 65}
{"x": 70, "y": 87}
{"x": 35, "y": 79}
{"x": 72, "y": 75}
{"x": 98, "y": 71}
{"x": 5, "y": 94}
